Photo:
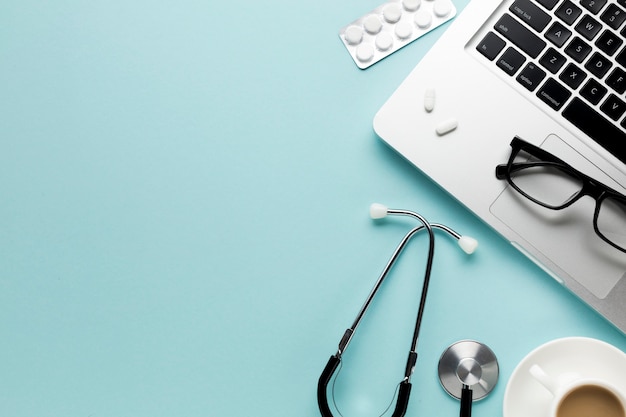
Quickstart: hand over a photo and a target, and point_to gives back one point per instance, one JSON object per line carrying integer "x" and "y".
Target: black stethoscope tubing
{"x": 404, "y": 389}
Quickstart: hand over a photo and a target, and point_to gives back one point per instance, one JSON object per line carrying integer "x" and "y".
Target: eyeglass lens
{"x": 611, "y": 221}
{"x": 548, "y": 185}
{"x": 555, "y": 186}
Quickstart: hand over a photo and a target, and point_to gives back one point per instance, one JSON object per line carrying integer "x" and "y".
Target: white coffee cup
{"x": 577, "y": 396}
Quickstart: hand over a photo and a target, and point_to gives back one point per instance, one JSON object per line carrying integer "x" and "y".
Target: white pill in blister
{"x": 354, "y": 35}
{"x": 411, "y": 5}
{"x": 384, "y": 41}
{"x": 423, "y": 19}
{"x": 392, "y": 13}
{"x": 365, "y": 52}
{"x": 446, "y": 126}
{"x": 429, "y": 100}
{"x": 403, "y": 29}
{"x": 372, "y": 24}
{"x": 390, "y": 26}
{"x": 442, "y": 8}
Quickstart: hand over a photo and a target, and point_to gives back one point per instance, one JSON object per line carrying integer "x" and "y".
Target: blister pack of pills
{"x": 391, "y": 26}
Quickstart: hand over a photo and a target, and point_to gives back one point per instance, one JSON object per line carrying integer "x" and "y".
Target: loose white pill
{"x": 429, "y": 100}
{"x": 446, "y": 126}
{"x": 403, "y": 29}
{"x": 392, "y": 13}
{"x": 365, "y": 52}
{"x": 384, "y": 41}
{"x": 372, "y": 24}
{"x": 354, "y": 35}
{"x": 442, "y": 8}
{"x": 411, "y": 5}
{"x": 423, "y": 19}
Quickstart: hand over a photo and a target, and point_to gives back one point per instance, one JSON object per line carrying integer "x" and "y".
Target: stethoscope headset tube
{"x": 378, "y": 211}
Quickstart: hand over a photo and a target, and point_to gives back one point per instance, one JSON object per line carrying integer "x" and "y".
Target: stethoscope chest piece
{"x": 468, "y": 363}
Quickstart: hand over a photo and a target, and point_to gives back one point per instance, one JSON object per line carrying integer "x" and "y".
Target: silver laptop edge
{"x": 489, "y": 114}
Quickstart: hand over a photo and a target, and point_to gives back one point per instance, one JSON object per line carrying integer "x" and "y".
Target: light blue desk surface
{"x": 184, "y": 220}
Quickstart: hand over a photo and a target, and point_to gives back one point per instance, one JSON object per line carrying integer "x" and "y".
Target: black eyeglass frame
{"x": 590, "y": 187}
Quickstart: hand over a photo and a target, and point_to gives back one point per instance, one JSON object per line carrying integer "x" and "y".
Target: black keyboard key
{"x": 568, "y": 12}
{"x": 531, "y": 76}
{"x": 558, "y": 34}
{"x": 578, "y": 49}
{"x": 511, "y": 61}
{"x": 520, "y": 35}
{"x": 597, "y": 127}
{"x": 598, "y": 65}
{"x": 553, "y": 94}
{"x": 613, "y": 107}
{"x": 617, "y": 80}
{"x": 593, "y": 91}
{"x": 588, "y": 27}
{"x": 621, "y": 58}
{"x": 609, "y": 42}
{"x": 531, "y": 14}
{"x": 491, "y": 46}
{"x": 573, "y": 76}
{"x": 594, "y": 6}
{"x": 613, "y": 16}
{"x": 552, "y": 60}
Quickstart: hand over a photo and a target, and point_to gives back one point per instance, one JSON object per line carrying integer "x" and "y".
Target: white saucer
{"x": 524, "y": 396}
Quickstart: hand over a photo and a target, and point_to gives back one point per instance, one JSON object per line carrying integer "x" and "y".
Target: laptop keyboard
{"x": 571, "y": 54}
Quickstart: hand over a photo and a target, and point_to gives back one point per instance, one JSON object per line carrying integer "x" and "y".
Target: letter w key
{"x": 588, "y": 27}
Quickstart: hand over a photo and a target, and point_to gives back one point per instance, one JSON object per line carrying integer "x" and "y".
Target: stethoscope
{"x": 378, "y": 211}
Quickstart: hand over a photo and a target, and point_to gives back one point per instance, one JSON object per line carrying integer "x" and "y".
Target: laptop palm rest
{"x": 565, "y": 234}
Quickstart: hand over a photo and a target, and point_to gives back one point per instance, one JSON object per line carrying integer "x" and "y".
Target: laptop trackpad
{"x": 566, "y": 237}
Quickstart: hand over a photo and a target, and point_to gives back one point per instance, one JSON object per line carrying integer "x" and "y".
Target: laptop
{"x": 553, "y": 73}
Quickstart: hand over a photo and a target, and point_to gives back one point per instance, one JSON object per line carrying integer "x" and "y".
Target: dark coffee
{"x": 590, "y": 401}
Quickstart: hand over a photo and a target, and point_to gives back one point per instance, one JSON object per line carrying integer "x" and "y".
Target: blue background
{"x": 184, "y": 221}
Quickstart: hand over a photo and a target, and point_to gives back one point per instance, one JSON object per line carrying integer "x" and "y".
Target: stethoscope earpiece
{"x": 379, "y": 211}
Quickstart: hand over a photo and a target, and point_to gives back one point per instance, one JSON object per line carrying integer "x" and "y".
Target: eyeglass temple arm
{"x": 518, "y": 144}
{"x": 501, "y": 171}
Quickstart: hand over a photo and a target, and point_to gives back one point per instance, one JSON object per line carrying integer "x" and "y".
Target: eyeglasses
{"x": 554, "y": 184}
